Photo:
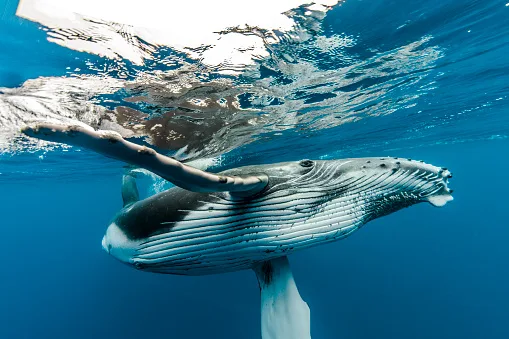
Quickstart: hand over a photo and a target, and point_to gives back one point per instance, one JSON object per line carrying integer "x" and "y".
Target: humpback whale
{"x": 250, "y": 217}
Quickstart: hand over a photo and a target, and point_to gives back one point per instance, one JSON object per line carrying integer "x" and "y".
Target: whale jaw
{"x": 440, "y": 200}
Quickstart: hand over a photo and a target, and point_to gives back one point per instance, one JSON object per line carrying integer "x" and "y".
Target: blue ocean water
{"x": 422, "y": 272}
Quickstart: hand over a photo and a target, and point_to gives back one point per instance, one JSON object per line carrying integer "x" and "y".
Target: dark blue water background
{"x": 420, "y": 273}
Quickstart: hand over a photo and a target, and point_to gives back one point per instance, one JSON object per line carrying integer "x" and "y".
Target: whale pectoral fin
{"x": 284, "y": 315}
{"x": 130, "y": 193}
{"x": 111, "y": 144}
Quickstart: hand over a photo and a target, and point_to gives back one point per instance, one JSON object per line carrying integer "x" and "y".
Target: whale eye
{"x": 306, "y": 163}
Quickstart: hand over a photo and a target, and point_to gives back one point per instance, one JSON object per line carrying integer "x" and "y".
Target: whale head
{"x": 387, "y": 182}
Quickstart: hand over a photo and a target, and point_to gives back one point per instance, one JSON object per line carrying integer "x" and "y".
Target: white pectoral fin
{"x": 111, "y": 144}
{"x": 284, "y": 315}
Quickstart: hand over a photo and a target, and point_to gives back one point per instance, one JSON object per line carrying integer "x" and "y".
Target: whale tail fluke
{"x": 284, "y": 315}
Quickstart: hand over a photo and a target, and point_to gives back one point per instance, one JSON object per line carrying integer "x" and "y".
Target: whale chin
{"x": 440, "y": 200}
{"x": 117, "y": 244}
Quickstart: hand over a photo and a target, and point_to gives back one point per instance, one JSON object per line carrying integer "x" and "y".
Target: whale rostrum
{"x": 250, "y": 217}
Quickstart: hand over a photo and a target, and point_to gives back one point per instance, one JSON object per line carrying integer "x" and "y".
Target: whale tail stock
{"x": 284, "y": 315}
